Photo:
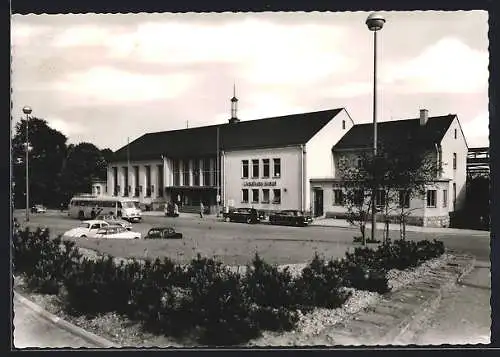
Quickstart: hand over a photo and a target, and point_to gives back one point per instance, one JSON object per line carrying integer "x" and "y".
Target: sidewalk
{"x": 339, "y": 223}
{"x": 342, "y": 223}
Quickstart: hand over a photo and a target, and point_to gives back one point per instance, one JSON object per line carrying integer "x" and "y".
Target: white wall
{"x": 290, "y": 178}
{"x": 319, "y": 157}
{"x": 450, "y": 145}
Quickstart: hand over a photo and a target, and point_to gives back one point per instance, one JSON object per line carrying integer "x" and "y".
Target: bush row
{"x": 205, "y": 298}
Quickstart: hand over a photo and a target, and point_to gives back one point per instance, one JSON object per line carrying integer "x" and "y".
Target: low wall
{"x": 432, "y": 221}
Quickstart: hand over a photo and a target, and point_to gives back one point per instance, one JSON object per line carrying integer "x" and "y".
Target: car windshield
{"x": 84, "y": 225}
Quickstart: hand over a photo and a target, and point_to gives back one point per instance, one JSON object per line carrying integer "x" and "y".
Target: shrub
{"x": 100, "y": 286}
{"x": 42, "y": 260}
{"x": 320, "y": 284}
{"x": 217, "y": 304}
{"x": 265, "y": 285}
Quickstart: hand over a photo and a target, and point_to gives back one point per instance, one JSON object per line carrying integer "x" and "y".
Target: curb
{"x": 427, "y": 307}
{"x": 65, "y": 325}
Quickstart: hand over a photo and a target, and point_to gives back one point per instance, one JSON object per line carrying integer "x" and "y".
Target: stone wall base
{"x": 433, "y": 221}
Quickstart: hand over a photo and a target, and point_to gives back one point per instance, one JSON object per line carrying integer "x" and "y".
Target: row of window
{"x": 128, "y": 190}
{"x": 256, "y": 198}
{"x": 254, "y": 164}
{"x": 381, "y": 197}
{"x": 359, "y": 161}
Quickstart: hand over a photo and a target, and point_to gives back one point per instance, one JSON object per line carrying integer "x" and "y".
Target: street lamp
{"x": 375, "y": 22}
{"x": 27, "y": 111}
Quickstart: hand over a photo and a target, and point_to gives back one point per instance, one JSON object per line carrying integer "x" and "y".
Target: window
{"x": 255, "y": 168}
{"x": 380, "y": 198}
{"x": 338, "y": 197}
{"x": 445, "y": 198}
{"x": 359, "y": 163}
{"x": 206, "y": 172}
{"x": 185, "y": 173}
{"x": 277, "y": 195}
{"x": 265, "y": 195}
{"x": 265, "y": 167}
{"x": 244, "y": 164}
{"x": 98, "y": 190}
{"x": 196, "y": 172}
{"x": 277, "y": 167}
{"x": 454, "y": 194}
{"x": 454, "y": 161}
{"x": 343, "y": 124}
{"x": 404, "y": 199}
{"x": 359, "y": 197}
{"x": 244, "y": 197}
{"x": 255, "y": 196}
{"x": 431, "y": 198}
{"x": 455, "y": 133}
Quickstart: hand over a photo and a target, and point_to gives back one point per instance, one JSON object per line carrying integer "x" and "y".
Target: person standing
{"x": 202, "y": 208}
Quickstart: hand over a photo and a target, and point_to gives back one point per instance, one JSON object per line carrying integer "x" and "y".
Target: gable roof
{"x": 280, "y": 131}
{"x": 397, "y": 132}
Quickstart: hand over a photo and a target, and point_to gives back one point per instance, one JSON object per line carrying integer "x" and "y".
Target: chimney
{"x": 424, "y": 116}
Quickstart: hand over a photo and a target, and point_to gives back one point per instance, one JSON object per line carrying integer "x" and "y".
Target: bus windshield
{"x": 128, "y": 204}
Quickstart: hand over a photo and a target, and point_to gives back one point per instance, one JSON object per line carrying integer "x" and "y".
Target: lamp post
{"x": 374, "y": 22}
{"x": 27, "y": 111}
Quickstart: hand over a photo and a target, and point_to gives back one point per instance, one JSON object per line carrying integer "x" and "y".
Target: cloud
{"x": 105, "y": 84}
{"x": 82, "y": 35}
{"x": 65, "y": 127}
{"x": 349, "y": 90}
{"x": 448, "y": 66}
{"x": 477, "y": 130}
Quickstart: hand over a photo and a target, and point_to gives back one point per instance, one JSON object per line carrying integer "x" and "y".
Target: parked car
{"x": 38, "y": 209}
{"x": 163, "y": 233}
{"x": 244, "y": 215}
{"x": 87, "y": 229}
{"x": 290, "y": 217}
{"x": 116, "y": 232}
{"x": 113, "y": 220}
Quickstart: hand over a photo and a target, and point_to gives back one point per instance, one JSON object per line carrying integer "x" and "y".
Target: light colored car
{"x": 38, "y": 209}
{"x": 117, "y": 232}
{"x": 86, "y": 229}
{"x": 113, "y": 220}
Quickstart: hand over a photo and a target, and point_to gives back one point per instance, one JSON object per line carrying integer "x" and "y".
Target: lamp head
{"x": 27, "y": 110}
{"x": 375, "y": 21}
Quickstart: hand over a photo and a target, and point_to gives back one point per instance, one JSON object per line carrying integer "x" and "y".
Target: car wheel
{"x": 81, "y": 215}
{"x": 249, "y": 220}
{"x": 227, "y": 219}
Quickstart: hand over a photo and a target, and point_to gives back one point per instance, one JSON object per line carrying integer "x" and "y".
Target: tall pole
{"x": 375, "y": 22}
{"x": 374, "y": 192}
{"x": 128, "y": 166}
{"x": 27, "y": 173}
{"x": 217, "y": 177}
{"x": 27, "y": 111}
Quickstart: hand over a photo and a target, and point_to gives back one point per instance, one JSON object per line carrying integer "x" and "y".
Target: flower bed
{"x": 204, "y": 302}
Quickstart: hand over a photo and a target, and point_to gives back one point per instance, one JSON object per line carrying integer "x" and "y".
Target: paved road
{"x": 279, "y": 244}
{"x": 462, "y": 317}
{"x": 32, "y": 330}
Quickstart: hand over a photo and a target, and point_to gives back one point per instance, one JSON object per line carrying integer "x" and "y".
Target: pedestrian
{"x": 176, "y": 210}
{"x": 202, "y": 208}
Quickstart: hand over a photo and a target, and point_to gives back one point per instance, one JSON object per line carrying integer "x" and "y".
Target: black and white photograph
{"x": 250, "y": 179}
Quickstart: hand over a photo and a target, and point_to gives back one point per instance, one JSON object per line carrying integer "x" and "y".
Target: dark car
{"x": 244, "y": 215}
{"x": 290, "y": 217}
{"x": 163, "y": 233}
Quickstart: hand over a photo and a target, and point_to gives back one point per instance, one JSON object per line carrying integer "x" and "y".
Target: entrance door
{"x": 318, "y": 202}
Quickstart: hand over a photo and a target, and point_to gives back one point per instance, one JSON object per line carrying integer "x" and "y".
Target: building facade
{"x": 265, "y": 164}
{"x": 439, "y": 137}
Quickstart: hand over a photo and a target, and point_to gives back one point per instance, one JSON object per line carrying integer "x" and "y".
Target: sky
{"x": 105, "y": 78}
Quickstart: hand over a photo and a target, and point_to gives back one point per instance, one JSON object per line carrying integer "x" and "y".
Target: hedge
{"x": 205, "y": 299}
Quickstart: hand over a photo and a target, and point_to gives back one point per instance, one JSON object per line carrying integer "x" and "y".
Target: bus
{"x": 89, "y": 207}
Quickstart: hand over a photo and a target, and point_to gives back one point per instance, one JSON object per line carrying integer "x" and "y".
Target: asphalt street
{"x": 281, "y": 244}
{"x": 32, "y": 330}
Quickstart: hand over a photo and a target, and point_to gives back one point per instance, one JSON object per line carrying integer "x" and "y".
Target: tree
{"x": 84, "y": 163}
{"x": 47, "y": 149}
{"x": 396, "y": 169}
